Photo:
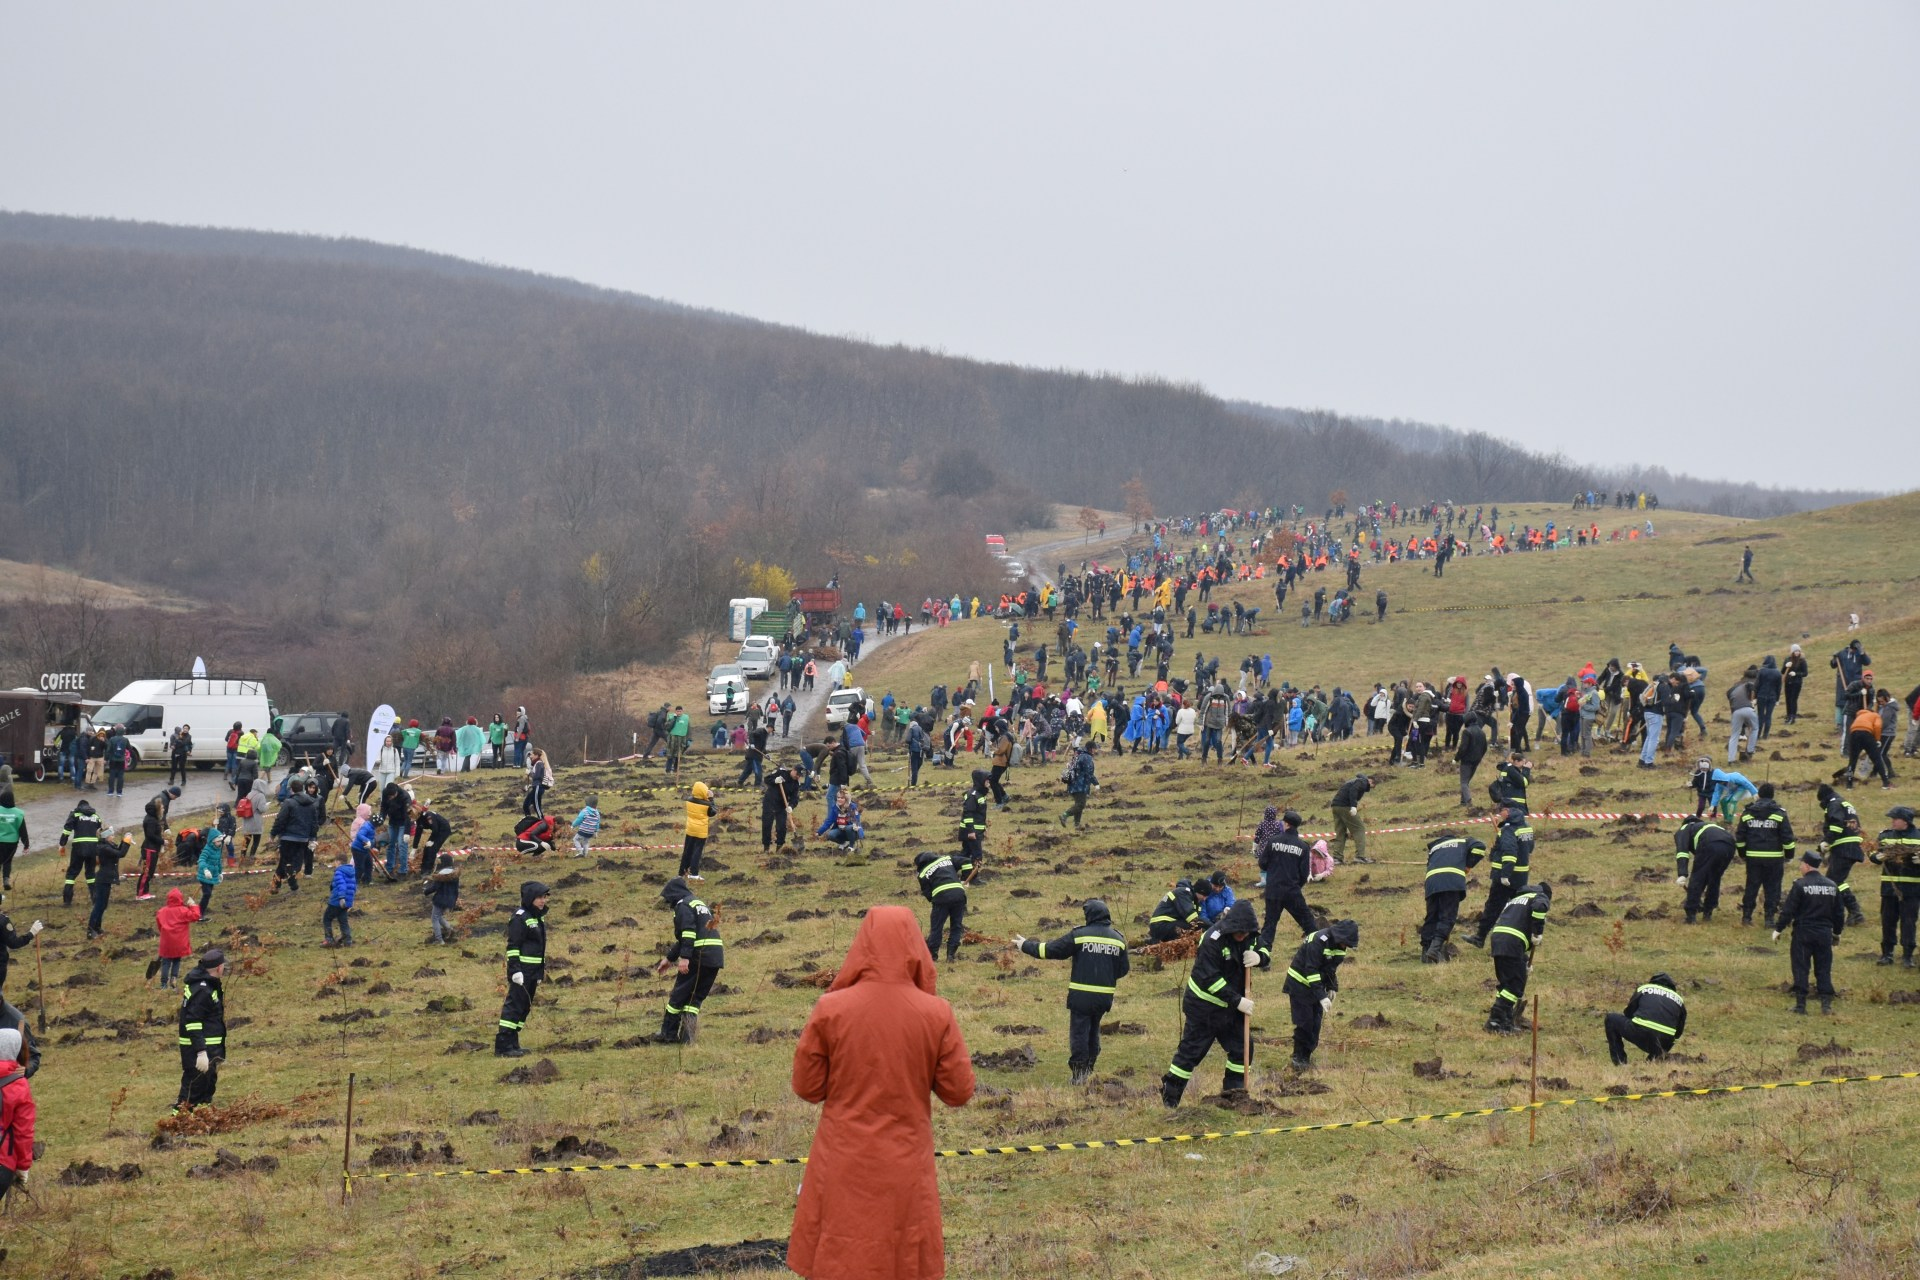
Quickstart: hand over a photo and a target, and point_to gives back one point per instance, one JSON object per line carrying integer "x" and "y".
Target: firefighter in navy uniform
{"x": 1514, "y": 941}
{"x": 1215, "y": 1005}
{"x": 1843, "y": 846}
{"x": 1764, "y": 837}
{"x": 942, "y": 887}
{"x": 1655, "y": 1018}
{"x": 526, "y": 965}
{"x": 1174, "y": 913}
{"x": 81, "y": 839}
{"x": 1703, "y": 850}
{"x": 1449, "y": 858}
{"x": 203, "y": 1031}
{"x": 973, "y": 826}
{"x": 1813, "y": 911}
{"x": 697, "y": 954}
{"x": 1511, "y": 780}
{"x": 1313, "y": 977}
{"x": 1511, "y": 863}
{"x": 1898, "y": 858}
{"x": 1099, "y": 955}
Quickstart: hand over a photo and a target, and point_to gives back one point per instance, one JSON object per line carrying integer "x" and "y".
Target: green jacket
{"x": 680, "y": 727}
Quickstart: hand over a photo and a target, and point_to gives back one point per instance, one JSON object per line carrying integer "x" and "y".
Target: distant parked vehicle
{"x": 844, "y": 704}
{"x": 758, "y": 655}
{"x": 152, "y": 709}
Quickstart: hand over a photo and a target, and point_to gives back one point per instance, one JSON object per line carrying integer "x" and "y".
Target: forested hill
{"x": 324, "y": 428}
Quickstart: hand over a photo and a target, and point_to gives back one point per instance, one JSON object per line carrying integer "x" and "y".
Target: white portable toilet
{"x": 740, "y": 615}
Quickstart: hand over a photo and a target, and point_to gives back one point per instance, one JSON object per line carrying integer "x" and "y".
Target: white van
{"x": 152, "y": 709}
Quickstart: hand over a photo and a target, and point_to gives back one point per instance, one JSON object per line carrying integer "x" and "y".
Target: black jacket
{"x": 938, "y": 876}
{"x": 443, "y": 888}
{"x": 203, "y": 1018}
{"x": 1099, "y": 955}
{"x": 1175, "y": 912}
{"x": 298, "y": 820}
{"x": 694, "y": 937}
{"x": 1513, "y": 851}
{"x": 1813, "y": 911}
{"x": 527, "y": 938}
{"x": 781, "y": 793}
{"x": 1448, "y": 862}
{"x": 1702, "y": 838}
{"x": 1512, "y": 781}
{"x": 1766, "y": 684}
{"x": 839, "y": 765}
{"x": 1286, "y": 862}
{"x": 431, "y": 829}
{"x": 973, "y": 808}
{"x": 82, "y": 828}
{"x": 9, "y": 943}
{"x": 1660, "y": 1010}
{"x": 1763, "y": 831}
{"x": 1473, "y": 743}
{"x": 1219, "y": 964}
{"x": 1315, "y": 970}
{"x": 1352, "y": 792}
{"x": 1843, "y": 830}
{"x": 1521, "y": 923}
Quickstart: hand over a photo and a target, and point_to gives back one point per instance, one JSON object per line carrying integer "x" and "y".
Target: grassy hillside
{"x": 1813, "y": 1181}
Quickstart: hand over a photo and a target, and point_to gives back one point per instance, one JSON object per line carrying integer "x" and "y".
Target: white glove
{"x": 518, "y": 979}
{"x": 1680, "y": 881}
{"x": 1504, "y": 881}
{"x": 33, "y": 930}
{"x": 1326, "y": 1004}
{"x": 1246, "y": 1006}
{"x": 1776, "y": 935}
{"x": 202, "y": 1063}
{"x": 1019, "y": 940}
{"x": 1252, "y": 959}
{"x": 1354, "y": 812}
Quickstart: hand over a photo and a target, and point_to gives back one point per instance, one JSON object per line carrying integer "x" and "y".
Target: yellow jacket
{"x": 699, "y": 811}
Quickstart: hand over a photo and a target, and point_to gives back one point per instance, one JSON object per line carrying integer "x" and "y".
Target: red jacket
{"x": 874, "y": 1047}
{"x": 176, "y": 921}
{"x": 16, "y": 1134}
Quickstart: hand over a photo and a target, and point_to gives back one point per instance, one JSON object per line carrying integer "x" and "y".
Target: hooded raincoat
{"x": 874, "y": 1047}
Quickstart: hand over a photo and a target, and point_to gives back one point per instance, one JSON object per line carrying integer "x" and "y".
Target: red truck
{"x": 818, "y": 603}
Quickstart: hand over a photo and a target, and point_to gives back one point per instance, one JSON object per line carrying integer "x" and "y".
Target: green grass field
{"x": 1789, "y": 1183}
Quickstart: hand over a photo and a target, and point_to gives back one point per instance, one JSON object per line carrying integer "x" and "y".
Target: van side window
{"x": 148, "y": 717}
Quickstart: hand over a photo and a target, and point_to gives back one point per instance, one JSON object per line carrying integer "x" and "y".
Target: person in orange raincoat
{"x": 874, "y": 1047}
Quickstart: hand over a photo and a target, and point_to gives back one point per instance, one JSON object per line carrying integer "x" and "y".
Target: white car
{"x": 757, "y": 657}
{"x": 728, "y": 693}
{"x": 844, "y": 703}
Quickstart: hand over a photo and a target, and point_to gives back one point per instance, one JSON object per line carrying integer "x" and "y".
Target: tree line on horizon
{"x": 481, "y": 479}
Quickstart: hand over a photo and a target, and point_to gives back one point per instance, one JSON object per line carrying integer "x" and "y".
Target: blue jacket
{"x": 211, "y": 867}
{"x": 344, "y": 886}
{"x": 1216, "y": 903}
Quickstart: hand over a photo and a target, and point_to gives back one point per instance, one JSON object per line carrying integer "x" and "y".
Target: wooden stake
{"x": 40, "y": 964}
{"x": 346, "y": 1151}
{"x": 1246, "y": 1033}
{"x": 1533, "y": 1085}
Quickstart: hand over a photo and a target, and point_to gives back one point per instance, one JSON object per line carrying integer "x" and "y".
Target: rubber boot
{"x": 1170, "y": 1091}
{"x": 669, "y": 1029}
{"x": 1706, "y": 915}
{"x": 1496, "y": 1018}
{"x": 1826, "y": 1005}
{"x": 1433, "y": 953}
{"x": 1746, "y": 918}
{"x": 1799, "y": 1004}
{"x": 1770, "y": 919}
{"x": 1907, "y": 961}
{"x": 506, "y": 1044}
{"x": 1299, "y": 1063}
{"x": 690, "y": 1027}
{"x": 66, "y": 896}
{"x": 1081, "y": 1074}
{"x": 1689, "y": 919}
{"x": 1475, "y": 939}
{"x": 1885, "y": 958}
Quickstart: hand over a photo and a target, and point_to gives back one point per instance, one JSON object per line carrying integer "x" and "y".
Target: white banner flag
{"x": 377, "y": 730}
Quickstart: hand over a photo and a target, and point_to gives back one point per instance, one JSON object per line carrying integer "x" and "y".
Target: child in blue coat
{"x": 340, "y": 900}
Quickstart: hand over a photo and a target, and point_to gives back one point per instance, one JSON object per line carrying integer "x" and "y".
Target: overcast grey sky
{"x": 1654, "y": 230}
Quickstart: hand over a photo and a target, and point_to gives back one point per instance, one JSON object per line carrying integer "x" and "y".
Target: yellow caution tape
{"x": 1168, "y": 1139}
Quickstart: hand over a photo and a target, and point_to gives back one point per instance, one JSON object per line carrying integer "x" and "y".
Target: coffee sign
{"x": 63, "y": 682}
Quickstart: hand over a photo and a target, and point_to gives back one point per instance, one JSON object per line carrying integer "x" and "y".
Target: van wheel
{"x": 206, "y": 766}
{"x": 38, "y": 773}
{"x": 134, "y": 763}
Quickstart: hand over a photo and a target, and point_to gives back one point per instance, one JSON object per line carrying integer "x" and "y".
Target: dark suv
{"x": 305, "y": 734}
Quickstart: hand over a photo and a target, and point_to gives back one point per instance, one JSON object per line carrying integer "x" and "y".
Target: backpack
{"x": 657, "y": 721}
{"x": 245, "y": 808}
